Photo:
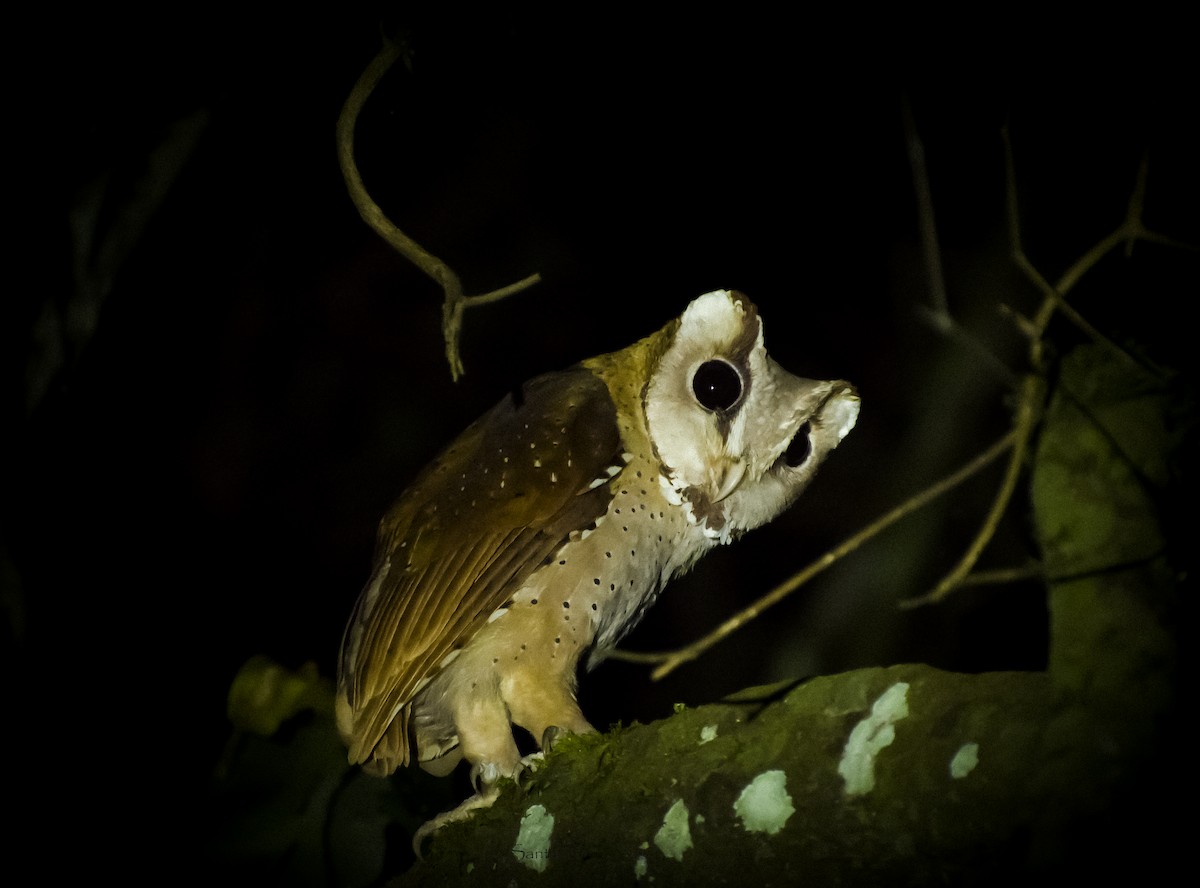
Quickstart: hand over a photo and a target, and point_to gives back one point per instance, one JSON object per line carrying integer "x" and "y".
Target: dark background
{"x": 217, "y": 377}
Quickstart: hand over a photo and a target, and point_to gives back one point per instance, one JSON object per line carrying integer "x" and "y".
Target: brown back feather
{"x": 457, "y": 545}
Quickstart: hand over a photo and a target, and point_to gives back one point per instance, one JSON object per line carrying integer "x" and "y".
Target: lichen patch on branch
{"x": 872, "y": 734}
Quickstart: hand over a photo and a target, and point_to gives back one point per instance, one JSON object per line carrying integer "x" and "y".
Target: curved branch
{"x": 455, "y": 302}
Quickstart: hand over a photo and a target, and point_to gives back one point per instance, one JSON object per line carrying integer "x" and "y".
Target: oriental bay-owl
{"x": 548, "y": 527}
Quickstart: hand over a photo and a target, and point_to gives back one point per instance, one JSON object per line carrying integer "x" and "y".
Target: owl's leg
{"x": 486, "y": 739}
{"x": 486, "y": 742}
{"x": 546, "y": 709}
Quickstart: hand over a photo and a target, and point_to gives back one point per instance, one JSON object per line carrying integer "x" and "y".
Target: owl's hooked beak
{"x": 733, "y": 478}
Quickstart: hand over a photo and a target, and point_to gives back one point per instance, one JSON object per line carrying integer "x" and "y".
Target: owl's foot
{"x": 482, "y": 799}
{"x": 485, "y": 778}
{"x": 530, "y": 764}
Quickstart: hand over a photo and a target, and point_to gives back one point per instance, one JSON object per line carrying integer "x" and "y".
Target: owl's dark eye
{"x": 800, "y": 447}
{"x": 717, "y": 385}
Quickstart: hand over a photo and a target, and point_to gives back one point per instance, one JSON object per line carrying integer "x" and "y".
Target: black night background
{"x": 217, "y": 378}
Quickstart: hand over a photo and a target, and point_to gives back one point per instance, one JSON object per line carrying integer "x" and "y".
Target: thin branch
{"x": 1028, "y": 411}
{"x": 1033, "y": 394}
{"x": 955, "y": 333}
{"x": 456, "y": 302}
{"x": 1003, "y": 576}
{"x": 940, "y": 310}
{"x": 1131, "y": 229}
{"x": 937, "y": 313}
{"x": 673, "y": 659}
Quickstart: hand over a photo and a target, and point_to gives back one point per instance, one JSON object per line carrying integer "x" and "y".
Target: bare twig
{"x": 940, "y": 309}
{"x": 1032, "y": 395}
{"x": 456, "y": 302}
{"x": 673, "y": 659}
{"x": 937, "y": 313}
{"x": 1002, "y": 576}
{"x": 1028, "y": 411}
{"x": 1131, "y": 229}
{"x": 954, "y": 332}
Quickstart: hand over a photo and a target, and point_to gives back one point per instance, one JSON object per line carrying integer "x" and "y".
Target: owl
{"x": 536, "y": 540}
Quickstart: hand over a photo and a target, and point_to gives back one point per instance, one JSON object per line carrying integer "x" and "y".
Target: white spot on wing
{"x": 497, "y": 614}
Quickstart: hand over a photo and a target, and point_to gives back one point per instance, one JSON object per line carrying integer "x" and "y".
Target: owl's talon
{"x": 484, "y": 776}
{"x": 551, "y": 736}
{"x": 530, "y": 765}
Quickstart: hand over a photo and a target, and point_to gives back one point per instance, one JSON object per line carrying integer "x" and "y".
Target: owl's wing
{"x": 464, "y": 537}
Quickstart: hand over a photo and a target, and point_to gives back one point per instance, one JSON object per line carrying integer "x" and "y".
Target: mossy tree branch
{"x": 909, "y": 774}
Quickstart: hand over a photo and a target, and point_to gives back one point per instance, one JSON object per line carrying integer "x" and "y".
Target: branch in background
{"x": 1130, "y": 230}
{"x": 1025, "y": 421}
{"x": 937, "y": 313}
{"x": 1033, "y": 395}
{"x": 940, "y": 309}
{"x": 456, "y": 302}
{"x": 673, "y": 659}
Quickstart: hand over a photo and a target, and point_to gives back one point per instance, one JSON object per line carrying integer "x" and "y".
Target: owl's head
{"x": 738, "y": 436}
